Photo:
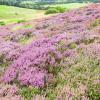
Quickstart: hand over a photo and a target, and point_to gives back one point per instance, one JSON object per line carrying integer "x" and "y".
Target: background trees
{"x": 38, "y": 3}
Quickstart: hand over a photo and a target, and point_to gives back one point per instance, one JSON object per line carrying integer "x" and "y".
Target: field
{"x": 10, "y": 14}
{"x": 68, "y": 6}
{"x": 52, "y": 58}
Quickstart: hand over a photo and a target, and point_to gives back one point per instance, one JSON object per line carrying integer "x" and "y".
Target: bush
{"x": 96, "y": 23}
{"x": 51, "y": 11}
{"x": 3, "y": 61}
{"x": 72, "y": 45}
{"x": 20, "y": 21}
{"x": 61, "y": 9}
{"x": 28, "y": 93}
{"x": 2, "y": 23}
{"x": 93, "y": 92}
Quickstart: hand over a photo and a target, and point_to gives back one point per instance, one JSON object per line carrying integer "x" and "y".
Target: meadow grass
{"x": 10, "y": 14}
{"x": 69, "y": 5}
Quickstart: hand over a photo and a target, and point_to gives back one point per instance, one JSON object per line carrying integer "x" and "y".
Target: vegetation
{"x": 28, "y": 93}
{"x": 39, "y": 4}
{"x": 53, "y": 10}
{"x": 17, "y": 15}
{"x": 7, "y": 15}
{"x": 2, "y": 23}
{"x": 54, "y": 58}
{"x": 67, "y": 6}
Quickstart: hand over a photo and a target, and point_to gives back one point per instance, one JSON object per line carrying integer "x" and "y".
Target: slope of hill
{"x": 10, "y": 14}
{"x": 62, "y": 61}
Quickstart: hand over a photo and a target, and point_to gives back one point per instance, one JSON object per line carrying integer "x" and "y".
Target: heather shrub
{"x": 88, "y": 41}
{"x": 8, "y": 91}
{"x": 62, "y": 63}
{"x": 23, "y": 39}
{"x": 27, "y": 26}
{"x": 77, "y": 74}
{"x": 41, "y": 55}
{"x": 3, "y": 61}
{"x": 96, "y": 23}
{"x": 8, "y": 50}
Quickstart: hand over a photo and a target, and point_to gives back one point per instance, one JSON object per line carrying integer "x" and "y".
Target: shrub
{"x": 88, "y": 41}
{"x": 72, "y": 45}
{"x": 51, "y": 11}
{"x": 20, "y": 21}
{"x": 96, "y": 23}
{"x": 61, "y": 9}
{"x": 28, "y": 93}
{"x": 41, "y": 55}
{"x": 2, "y": 23}
{"x": 3, "y": 61}
{"x": 94, "y": 92}
{"x": 57, "y": 9}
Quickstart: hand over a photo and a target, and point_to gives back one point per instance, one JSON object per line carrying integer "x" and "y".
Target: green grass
{"x": 69, "y": 5}
{"x": 10, "y": 14}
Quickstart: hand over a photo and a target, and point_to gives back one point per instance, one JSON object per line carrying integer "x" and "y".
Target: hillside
{"x": 54, "y": 58}
{"x": 17, "y": 15}
{"x": 39, "y": 4}
{"x": 10, "y": 14}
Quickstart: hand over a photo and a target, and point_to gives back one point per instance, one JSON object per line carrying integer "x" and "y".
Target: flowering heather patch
{"x": 9, "y": 50}
{"x": 64, "y": 60}
{"x": 37, "y": 58}
{"x": 92, "y": 49}
{"x": 8, "y": 92}
{"x": 75, "y": 21}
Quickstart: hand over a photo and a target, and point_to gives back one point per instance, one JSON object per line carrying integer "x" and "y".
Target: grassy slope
{"x": 69, "y": 5}
{"x": 13, "y": 14}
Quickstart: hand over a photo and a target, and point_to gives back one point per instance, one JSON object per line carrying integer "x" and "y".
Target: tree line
{"x": 39, "y": 3}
